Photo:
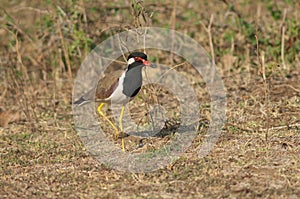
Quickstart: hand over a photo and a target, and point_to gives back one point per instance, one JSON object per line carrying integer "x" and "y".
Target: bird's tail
{"x": 81, "y": 101}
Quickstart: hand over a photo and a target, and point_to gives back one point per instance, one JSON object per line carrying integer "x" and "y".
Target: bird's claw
{"x": 121, "y": 135}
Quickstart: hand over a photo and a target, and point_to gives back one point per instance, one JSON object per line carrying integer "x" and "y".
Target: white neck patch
{"x": 130, "y": 61}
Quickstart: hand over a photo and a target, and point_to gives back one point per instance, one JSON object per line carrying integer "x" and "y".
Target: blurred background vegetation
{"x": 44, "y": 42}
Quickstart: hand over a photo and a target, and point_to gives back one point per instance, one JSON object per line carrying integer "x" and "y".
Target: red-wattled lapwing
{"x": 119, "y": 88}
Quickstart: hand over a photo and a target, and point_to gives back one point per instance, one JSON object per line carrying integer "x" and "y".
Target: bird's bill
{"x": 152, "y": 65}
{"x": 145, "y": 62}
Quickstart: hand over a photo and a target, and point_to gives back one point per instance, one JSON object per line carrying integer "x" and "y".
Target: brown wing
{"x": 108, "y": 84}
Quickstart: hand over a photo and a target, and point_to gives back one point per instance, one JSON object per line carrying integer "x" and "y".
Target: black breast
{"x": 133, "y": 81}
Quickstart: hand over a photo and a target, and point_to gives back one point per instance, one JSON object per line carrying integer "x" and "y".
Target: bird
{"x": 119, "y": 87}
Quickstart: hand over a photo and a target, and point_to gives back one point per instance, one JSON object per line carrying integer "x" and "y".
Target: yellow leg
{"x": 121, "y": 118}
{"x": 112, "y": 125}
{"x": 121, "y": 126}
{"x": 106, "y": 118}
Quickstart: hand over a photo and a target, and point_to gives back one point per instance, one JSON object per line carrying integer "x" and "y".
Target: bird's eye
{"x": 138, "y": 59}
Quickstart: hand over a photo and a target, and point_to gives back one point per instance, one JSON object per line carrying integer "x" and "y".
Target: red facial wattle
{"x": 145, "y": 62}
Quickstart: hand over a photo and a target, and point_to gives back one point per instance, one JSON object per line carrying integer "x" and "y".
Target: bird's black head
{"x": 138, "y": 59}
{"x": 137, "y": 54}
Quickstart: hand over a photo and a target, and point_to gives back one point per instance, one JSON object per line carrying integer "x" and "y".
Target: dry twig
{"x": 282, "y": 27}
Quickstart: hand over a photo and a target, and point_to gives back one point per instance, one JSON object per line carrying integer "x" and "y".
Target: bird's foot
{"x": 121, "y": 135}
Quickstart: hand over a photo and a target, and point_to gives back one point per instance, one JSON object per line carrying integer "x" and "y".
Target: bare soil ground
{"x": 258, "y": 153}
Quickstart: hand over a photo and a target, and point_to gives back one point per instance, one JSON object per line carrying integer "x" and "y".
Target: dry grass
{"x": 42, "y": 45}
